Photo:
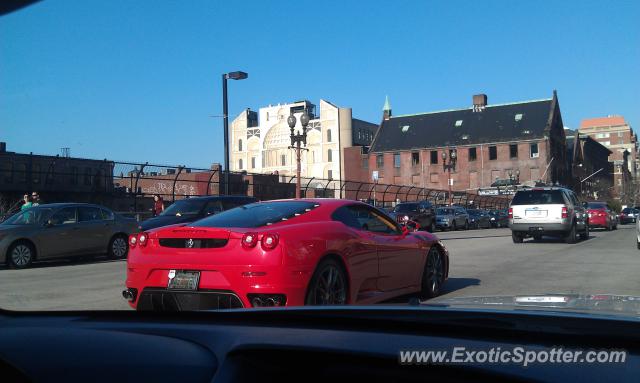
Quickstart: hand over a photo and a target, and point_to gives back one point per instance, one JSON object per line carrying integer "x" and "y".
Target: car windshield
{"x": 184, "y": 207}
{"x": 257, "y": 214}
{"x": 538, "y": 197}
{"x": 33, "y": 216}
{"x": 406, "y": 208}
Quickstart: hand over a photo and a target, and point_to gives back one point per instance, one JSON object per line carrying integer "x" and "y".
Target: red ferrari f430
{"x": 283, "y": 253}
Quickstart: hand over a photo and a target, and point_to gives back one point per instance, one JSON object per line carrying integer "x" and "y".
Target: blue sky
{"x": 139, "y": 81}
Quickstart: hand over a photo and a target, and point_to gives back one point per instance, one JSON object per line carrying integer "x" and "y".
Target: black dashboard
{"x": 303, "y": 345}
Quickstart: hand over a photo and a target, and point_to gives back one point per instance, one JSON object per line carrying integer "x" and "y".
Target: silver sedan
{"x": 63, "y": 230}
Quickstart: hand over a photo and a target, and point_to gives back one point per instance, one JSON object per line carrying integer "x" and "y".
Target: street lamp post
{"x": 296, "y": 141}
{"x": 453, "y": 158}
{"x": 225, "y": 115}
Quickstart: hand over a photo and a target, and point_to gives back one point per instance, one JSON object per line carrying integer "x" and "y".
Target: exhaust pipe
{"x": 129, "y": 294}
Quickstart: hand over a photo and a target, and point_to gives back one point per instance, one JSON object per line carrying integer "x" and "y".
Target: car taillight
{"x": 143, "y": 238}
{"x": 510, "y": 212}
{"x": 133, "y": 241}
{"x": 249, "y": 240}
{"x": 269, "y": 241}
{"x": 564, "y": 212}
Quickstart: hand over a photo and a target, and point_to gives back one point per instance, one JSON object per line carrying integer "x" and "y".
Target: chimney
{"x": 479, "y": 102}
{"x": 3, "y": 147}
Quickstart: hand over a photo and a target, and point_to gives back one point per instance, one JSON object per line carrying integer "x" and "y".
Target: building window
{"x": 605, "y": 143}
{"x": 35, "y": 173}
{"x": 473, "y": 154}
{"x": 396, "y": 160}
{"x": 493, "y": 153}
{"x": 239, "y": 145}
{"x": 620, "y": 134}
{"x": 513, "y": 151}
{"x": 22, "y": 173}
{"x": 415, "y": 158}
{"x": 74, "y": 175}
{"x": 380, "y": 161}
{"x": 602, "y": 135}
{"x": 328, "y": 135}
{"x": 329, "y": 155}
{"x": 434, "y": 157}
{"x": 283, "y": 159}
{"x": 240, "y": 164}
{"x": 330, "y": 174}
{"x": 365, "y": 163}
{"x": 533, "y": 150}
{"x": 87, "y": 176}
{"x": 434, "y": 178}
{"x": 253, "y": 162}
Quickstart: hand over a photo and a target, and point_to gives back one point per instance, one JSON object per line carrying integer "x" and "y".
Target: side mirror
{"x": 405, "y": 231}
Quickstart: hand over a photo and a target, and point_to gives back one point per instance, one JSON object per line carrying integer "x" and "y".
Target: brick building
{"x": 55, "y": 178}
{"x": 617, "y": 135}
{"x": 589, "y": 163}
{"x": 523, "y": 140}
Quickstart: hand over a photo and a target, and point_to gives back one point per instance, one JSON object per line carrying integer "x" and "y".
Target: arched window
{"x": 329, "y": 155}
{"x": 328, "y": 135}
{"x": 240, "y": 146}
{"x": 240, "y": 163}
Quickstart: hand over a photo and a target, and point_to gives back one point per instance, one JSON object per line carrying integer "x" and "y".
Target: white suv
{"x": 553, "y": 211}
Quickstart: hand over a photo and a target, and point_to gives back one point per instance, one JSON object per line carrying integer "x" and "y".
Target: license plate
{"x": 536, "y": 213}
{"x": 183, "y": 280}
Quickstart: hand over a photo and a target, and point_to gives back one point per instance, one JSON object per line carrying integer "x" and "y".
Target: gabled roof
{"x": 495, "y": 123}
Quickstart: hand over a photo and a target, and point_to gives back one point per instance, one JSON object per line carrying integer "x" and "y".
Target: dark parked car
{"x": 628, "y": 215}
{"x": 479, "y": 219}
{"x": 421, "y": 212}
{"x": 63, "y": 230}
{"x": 499, "y": 218}
{"x": 193, "y": 209}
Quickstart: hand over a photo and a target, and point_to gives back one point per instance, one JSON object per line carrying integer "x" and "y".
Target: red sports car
{"x": 283, "y": 253}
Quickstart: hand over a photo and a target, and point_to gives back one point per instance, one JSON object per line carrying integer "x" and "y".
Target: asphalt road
{"x": 483, "y": 263}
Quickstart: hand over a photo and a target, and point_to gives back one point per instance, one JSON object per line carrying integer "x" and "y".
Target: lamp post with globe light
{"x": 296, "y": 141}
{"x": 453, "y": 158}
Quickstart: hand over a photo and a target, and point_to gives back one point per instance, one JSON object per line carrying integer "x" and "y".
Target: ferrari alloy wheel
{"x": 21, "y": 255}
{"x": 328, "y": 285}
{"x": 433, "y": 275}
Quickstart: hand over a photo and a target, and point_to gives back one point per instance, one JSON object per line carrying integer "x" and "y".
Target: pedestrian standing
{"x": 158, "y": 205}
{"x": 26, "y": 202}
{"x": 35, "y": 199}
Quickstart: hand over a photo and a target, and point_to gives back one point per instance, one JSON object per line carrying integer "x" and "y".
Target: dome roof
{"x": 278, "y": 136}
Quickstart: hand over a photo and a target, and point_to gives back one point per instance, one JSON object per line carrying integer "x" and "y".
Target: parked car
{"x": 421, "y": 212}
{"x": 479, "y": 219}
{"x": 601, "y": 216}
{"x": 283, "y": 253}
{"x": 628, "y": 215}
{"x": 63, "y": 230}
{"x": 193, "y": 209}
{"x": 499, "y": 218}
{"x": 452, "y": 218}
{"x": 553, "y": 211}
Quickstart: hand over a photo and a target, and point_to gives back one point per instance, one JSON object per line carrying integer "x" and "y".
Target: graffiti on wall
{"x": 166, "y": 188}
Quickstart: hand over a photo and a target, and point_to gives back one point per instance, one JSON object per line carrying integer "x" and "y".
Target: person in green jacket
{"x": 27, "y": 202}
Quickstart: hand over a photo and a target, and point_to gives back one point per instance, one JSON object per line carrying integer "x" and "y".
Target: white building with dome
{"x": 260, "y": 141}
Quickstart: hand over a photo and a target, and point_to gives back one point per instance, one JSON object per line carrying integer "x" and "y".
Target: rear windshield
{"x": 185, "y": 207}
{"x": 597, "y": 205}
{"x": 257, "y": 214}
{"x": 538, "y": 197}
{"x": 628, "y": 210}
{"x": 404, "y": 207}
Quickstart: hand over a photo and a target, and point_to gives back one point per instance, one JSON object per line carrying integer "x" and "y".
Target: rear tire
{"x": 570, "y": 238}
{"x": 585, "y": 235}
{"x": 454, "y": 227}
{"x": 432, "y": 228}
{"x": 517, "y": 238}
{"x": 433, "y": 274}
{"x": 118, "y": 247}
{"x": 466, "y": 225}
{"x": 328, "y": 286}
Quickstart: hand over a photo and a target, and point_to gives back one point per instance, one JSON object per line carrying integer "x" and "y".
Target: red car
{"x": 283, "y": 253}
{"x": 601, "y": 216}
